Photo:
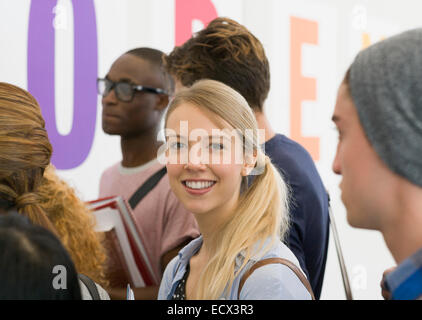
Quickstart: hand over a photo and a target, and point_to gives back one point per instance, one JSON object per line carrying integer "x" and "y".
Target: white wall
{"x": 341, "y": 25}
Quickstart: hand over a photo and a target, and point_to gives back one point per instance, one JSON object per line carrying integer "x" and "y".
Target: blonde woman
{"x": 212, "y": 147}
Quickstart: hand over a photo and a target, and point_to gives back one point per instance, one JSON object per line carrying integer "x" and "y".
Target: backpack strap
{"x": 146, "y": 187}
{"x": 91, "y": 286}
{"x": 285, "y": 262}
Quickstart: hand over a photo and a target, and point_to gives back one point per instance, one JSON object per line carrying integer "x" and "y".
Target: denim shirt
{"x": 405, "y": 282}
{"x": 269, "y": 282}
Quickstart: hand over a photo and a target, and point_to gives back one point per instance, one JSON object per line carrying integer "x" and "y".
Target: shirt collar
{"x": 404, "y": 271}
{"x": 190, "y": 249}
{"x": 193, "y": 247}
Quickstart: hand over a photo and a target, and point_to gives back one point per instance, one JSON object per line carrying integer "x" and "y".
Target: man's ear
{"x": 163, "y": 101}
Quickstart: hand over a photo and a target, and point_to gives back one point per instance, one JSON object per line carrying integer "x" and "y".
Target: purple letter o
{"x": 71, "y": 150}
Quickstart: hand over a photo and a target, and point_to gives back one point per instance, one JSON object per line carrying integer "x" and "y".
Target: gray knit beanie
{"x": 386, "y": 86}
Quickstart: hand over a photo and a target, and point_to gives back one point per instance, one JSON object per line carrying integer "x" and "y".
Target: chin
{"x": 195, "y": 208}
{"x": 359, "y": 222}
{"x": 352, "y": 221}
{"x": 110, "y": 130}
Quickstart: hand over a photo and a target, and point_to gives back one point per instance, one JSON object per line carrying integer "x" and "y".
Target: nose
{"x": 194, "y": 166}
{"x": 336, "y": 167}
{"x": 195, "y": 159}
{"x": 110, "y": 98}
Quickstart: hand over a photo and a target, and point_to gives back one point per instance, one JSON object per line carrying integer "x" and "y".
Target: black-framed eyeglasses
{"x": 124, "y": 91}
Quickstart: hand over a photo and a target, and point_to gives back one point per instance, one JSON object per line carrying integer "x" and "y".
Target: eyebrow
{"x": 121, "y": 79}
{"x": 174, "y": 135}
{"x": 210, "y": 137}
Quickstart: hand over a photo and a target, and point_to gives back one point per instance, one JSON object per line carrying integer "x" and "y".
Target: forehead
{"x": 344, "y": 110}
{"x": 195, "y": 118}
{"x": 133, "y": 68}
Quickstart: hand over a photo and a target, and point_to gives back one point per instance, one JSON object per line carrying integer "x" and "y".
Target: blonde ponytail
{"x": 262, "y": 213}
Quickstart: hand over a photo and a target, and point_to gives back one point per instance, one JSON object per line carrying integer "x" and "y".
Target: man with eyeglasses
{"x": 135, "y": 93}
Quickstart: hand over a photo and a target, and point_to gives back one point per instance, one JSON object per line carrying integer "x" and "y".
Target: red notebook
{"x": 128, "y": 259}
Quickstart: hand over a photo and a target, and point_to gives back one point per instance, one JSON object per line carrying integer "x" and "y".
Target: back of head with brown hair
{"x": 25, "y": 152}
{"x": 30, "y": 184}
{"x": 224, "y": 51}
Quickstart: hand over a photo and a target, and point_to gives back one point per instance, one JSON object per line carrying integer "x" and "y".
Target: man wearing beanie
{"x": 378, "y": 114}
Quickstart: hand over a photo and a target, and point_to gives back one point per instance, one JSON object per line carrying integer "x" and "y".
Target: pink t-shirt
{"x": 160, "y": 216}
